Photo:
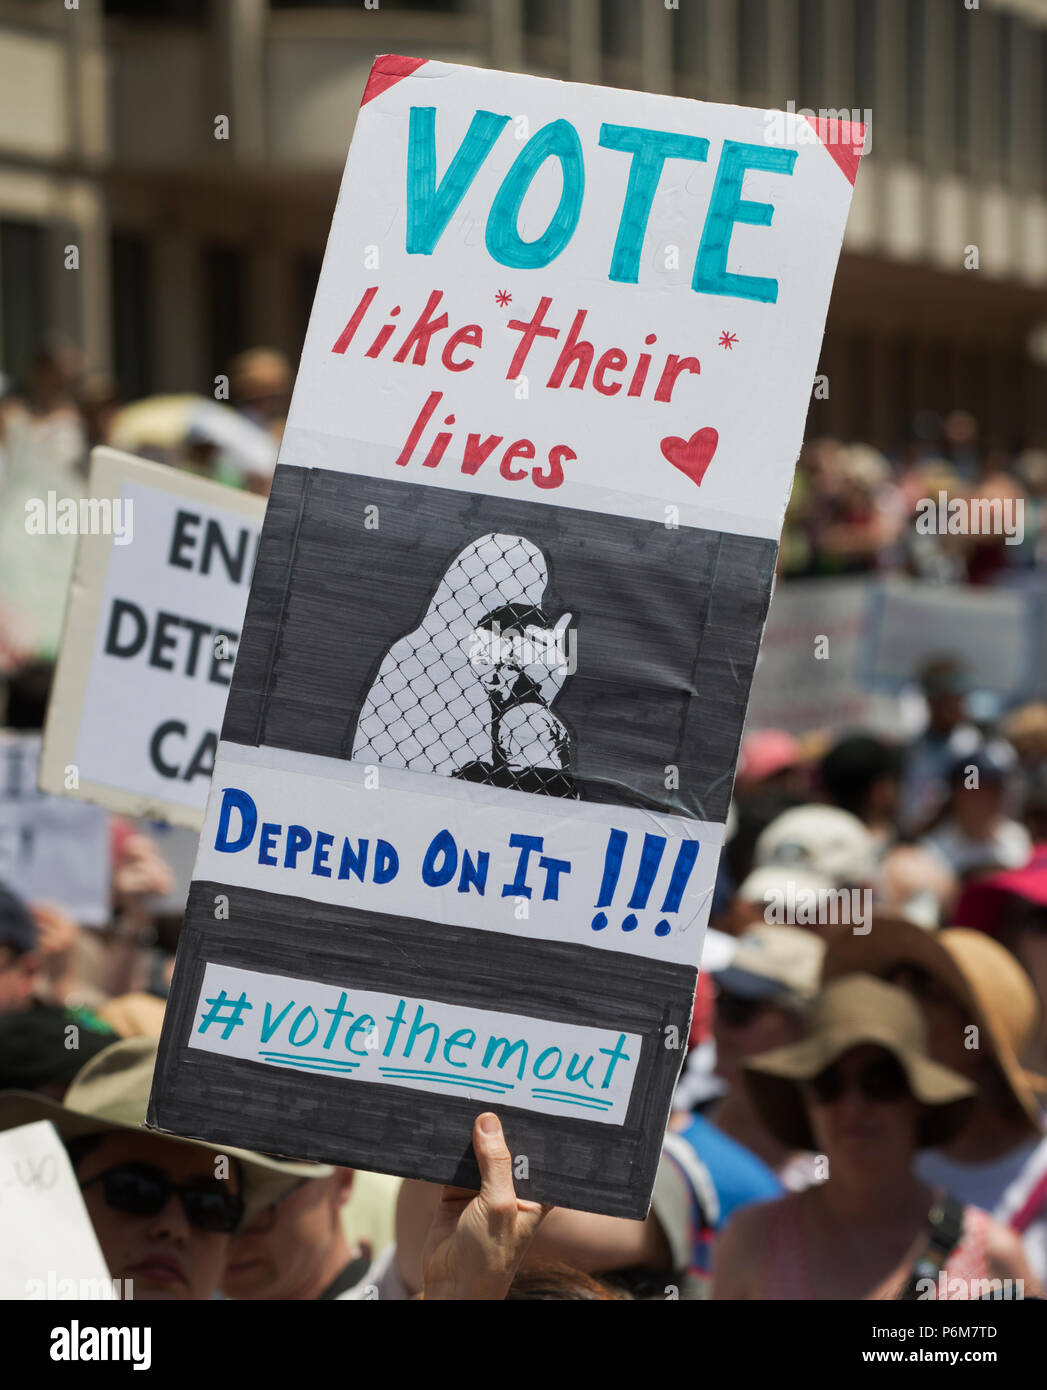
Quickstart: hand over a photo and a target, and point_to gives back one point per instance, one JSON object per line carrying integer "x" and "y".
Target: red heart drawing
{"x": 692, "y": 456}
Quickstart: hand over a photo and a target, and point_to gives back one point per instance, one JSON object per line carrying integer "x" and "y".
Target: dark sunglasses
{"x": 139, "y": 1189}
{"x": 735, "y": 1011}
{"x": 882, "y": 1082}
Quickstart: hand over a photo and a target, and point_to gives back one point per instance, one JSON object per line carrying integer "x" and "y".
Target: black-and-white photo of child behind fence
{"x": 521, "y": 645}
{"x": 469, "y": 692}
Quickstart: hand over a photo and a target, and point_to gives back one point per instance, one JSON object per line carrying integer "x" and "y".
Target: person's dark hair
{"x": 28, "y": 691}
{"x": 18, "y": 931}
{"x": 754, "y": 816}
{"x": 557, "y": 1282}
{"x": 1034, "y": 794}
{"x": 853, "y": 766}
{"x": 991, "y": 769}
{"x": 998, "y": 1092}
{"x": 1019, "y": 915}
{"x": 33, "y": 1051}
{"x": 944, "y": 675}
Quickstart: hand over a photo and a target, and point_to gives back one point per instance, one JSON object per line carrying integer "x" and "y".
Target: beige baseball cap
{"x": 783, "y": 964}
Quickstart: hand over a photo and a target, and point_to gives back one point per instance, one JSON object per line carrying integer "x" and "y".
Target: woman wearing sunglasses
{"x": 861, "y": 1089}
{"x": 164, "y": 1209}
{"x": 162, "y": 1218}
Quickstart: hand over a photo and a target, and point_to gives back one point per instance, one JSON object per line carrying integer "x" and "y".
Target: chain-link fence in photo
{"x": 469, "y": 693}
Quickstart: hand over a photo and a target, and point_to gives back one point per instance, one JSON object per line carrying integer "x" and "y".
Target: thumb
{"x": 495, "y": 1162}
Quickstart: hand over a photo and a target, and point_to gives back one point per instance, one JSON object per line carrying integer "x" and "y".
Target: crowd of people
{"x": 861, "y": 1109}
{"x": 854, "y": 510}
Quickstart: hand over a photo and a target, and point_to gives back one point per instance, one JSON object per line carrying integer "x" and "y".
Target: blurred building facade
{"x": 190, "y": 247}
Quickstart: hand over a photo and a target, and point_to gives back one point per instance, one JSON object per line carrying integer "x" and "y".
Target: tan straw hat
{"x": 986, "y": 981}
{"x": 850, "y": 1012}
{"x": 110, "y": 1093}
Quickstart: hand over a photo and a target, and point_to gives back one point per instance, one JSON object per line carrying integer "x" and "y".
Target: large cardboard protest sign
{"x": 842, "y": 652}
{"x": 51, "y": 850}
{"x": 994, "y": 633}
{"x": 478, "y": 751}
{"x": 811, "y": 671}
{"x": 151, "y": 629}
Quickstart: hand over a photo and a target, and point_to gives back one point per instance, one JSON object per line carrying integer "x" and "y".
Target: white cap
{"x": 823, "y": 838}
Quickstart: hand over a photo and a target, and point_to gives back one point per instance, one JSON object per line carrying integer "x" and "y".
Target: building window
{"x": 1004, "y": 89}
{"x": 1043, "y": 105}
{"x": 22, "y": 298}
{"x": 620, "y": 29}
{"x": 386, "y": 6}
{"x": 307, "y": 273}
{"x": 544, "y": 18}
{"x": 545, "y": 36}
{"x": 812, "y": 54}
{"x": 962, "y": 88}
{"x": 226, "y": 300}
{"x": 621, "y": 39}
{"x": 865, "y": 54}
{"x": 131, "y": 293}
{"x": 915, "y": 71}
{"x": 689, "y": 30}
{"x": 188, "y": 10}
{"x": 752, "y": 51}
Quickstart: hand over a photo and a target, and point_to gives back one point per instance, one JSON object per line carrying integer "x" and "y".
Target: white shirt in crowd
{"x": 1009, "y": 847}
{"x": 1001, "y": 1187}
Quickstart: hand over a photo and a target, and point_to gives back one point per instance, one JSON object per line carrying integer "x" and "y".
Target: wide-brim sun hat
{"x": 109, "y": 1095}
{"x": 987, "y": 982}
{"x": 854, "y": 1011}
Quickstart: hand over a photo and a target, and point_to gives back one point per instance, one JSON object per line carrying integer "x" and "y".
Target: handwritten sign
{"x": 479, "y": 745}
{"x": 994, "y": 633}
{"x": 416, "y": 1044}
{"x": 150, "y": 638}
{"x": 802, "y": 684}
{"x": 50, "y": 849}
{"x": 48, "y": 1248}
{"x": 436, "y": 856}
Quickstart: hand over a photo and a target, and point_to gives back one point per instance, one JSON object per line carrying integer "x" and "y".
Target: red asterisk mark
{"x": 727, "y": 340}
{"x": 502, "y": 298}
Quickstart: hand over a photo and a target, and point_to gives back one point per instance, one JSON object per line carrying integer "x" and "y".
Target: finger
{"x": 563, "y": 623}
{"x": 495, "y": 1162}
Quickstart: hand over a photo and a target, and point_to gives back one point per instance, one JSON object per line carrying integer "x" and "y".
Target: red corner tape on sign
{"x": 386, "y": 71}
{"x": 843, "y": 139}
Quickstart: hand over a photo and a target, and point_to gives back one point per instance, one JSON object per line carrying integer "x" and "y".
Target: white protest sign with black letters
{"x": 150, "y": 636}
{"x": 477, "y": 756}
